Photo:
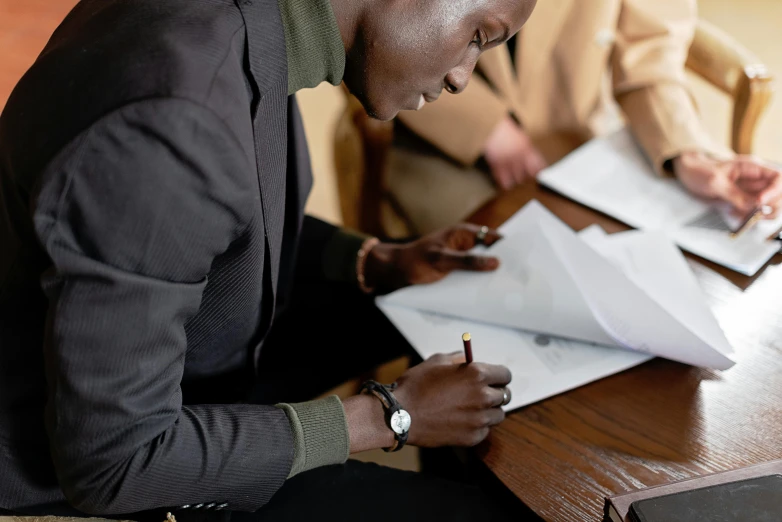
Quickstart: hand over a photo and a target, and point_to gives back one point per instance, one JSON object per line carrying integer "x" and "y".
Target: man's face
{"x": 409, "y": 51}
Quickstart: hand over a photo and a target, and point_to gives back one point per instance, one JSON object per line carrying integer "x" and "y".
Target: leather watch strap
{"x": 390, "y": 407}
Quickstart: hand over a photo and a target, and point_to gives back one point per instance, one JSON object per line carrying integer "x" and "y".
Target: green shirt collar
{"x": 313, "y": 43}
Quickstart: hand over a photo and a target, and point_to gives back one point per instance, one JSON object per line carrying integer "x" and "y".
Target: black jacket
{"x": 153, "y": 175}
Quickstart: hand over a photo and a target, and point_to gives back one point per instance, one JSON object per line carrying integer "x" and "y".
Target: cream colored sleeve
{"x": 459, "y": 124}
{"x": 653, "y": 39}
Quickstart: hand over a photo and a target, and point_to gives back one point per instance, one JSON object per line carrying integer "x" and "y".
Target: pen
{"x": 755, "y": 216}
{"x": 467, "y": 347}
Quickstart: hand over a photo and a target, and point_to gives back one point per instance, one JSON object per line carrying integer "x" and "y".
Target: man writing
{"x": 158, "y": 276}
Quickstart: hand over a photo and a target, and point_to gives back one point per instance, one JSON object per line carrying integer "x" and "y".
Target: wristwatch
{"x": 397, "y": 417}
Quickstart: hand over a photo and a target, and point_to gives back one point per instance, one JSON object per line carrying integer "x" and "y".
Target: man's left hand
{"x": 744, "y": 181}
{"x": 429, "y": 259}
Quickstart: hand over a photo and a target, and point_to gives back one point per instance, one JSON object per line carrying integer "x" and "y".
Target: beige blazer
{"x": 572, "y": 58}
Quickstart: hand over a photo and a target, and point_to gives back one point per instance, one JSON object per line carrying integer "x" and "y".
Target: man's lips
{"x": 424, "y": 98}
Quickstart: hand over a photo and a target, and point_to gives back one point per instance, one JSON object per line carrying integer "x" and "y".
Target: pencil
{"x": 467, "y": 347}
{"x": 755, "y": 216}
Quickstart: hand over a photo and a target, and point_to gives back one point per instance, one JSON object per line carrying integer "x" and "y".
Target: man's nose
{"x": 457, "y": 78}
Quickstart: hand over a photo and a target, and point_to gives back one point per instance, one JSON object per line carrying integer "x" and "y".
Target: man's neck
{"x": 348, "y": 14}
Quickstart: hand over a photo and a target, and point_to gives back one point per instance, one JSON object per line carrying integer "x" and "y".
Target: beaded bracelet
{"x": 361, "y": 261}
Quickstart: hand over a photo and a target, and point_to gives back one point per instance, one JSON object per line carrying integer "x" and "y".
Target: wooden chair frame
{"x": 727, "y": 65}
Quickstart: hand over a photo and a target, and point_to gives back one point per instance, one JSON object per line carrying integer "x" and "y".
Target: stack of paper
{"x": 611, "y": 174}
{"x": 599, "y": 304}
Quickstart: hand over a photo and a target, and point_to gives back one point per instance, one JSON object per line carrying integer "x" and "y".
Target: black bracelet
{"x": 397, "y": 418}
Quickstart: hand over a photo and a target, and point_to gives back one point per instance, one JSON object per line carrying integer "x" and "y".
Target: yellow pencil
{"x": 755, "y": 216}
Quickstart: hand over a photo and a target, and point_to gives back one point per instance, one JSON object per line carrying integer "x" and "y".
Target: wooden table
{"x": 659, "y": 422}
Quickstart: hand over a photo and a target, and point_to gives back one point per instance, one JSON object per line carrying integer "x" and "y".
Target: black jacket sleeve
{"x": 132, "y": 215}
{"x": 327, "y": 252}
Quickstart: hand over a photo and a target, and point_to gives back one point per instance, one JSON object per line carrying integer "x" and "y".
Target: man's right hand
{"x": 452, "y": 403}
{"x": 511, "y": 156}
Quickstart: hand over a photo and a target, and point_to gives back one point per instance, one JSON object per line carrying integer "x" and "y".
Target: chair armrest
{"x": 729, "y": 66}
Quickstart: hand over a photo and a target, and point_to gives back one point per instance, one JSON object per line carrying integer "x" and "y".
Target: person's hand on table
{"x": 744, "y": 181}
{"x": 450, "y": 404}
{"x": 511, "y": 156}
{"x": 429, "y": 259}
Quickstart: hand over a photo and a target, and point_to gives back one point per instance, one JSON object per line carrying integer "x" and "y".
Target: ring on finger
{"x": 506, "y": 396}
{"x": 480, "y": 237}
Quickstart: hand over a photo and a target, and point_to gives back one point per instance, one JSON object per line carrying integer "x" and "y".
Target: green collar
{"x": 313, "y": 43}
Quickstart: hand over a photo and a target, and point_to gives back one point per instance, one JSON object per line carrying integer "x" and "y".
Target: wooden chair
{"x": 733, "y": 69}
{"x": 361, "y": 147}
{"x": 362, "y": 144}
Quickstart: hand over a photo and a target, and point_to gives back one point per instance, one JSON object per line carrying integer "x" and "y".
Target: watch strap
{"x": 390, "y": 406}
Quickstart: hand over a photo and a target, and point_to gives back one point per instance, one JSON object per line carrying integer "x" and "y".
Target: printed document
{"x": 565, "y": 309}
{"x": 612, "y": 175}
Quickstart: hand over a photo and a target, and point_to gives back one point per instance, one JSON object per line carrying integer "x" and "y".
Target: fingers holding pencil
{"x": 467, "y": 340}
{"x": 504, "y": 379}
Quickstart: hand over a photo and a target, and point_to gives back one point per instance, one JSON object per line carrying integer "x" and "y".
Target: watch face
{"x": 400, "y": 422}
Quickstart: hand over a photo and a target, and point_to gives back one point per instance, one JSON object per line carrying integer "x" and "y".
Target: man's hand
{"x": 511, "y": 156}
{"x": 429, "y": 259}
{"x": 744, "y": 181}
{"x": 452, "y": 403}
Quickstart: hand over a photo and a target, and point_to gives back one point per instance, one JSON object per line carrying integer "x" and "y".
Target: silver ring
{"x": 506, "y": 395}
{"x": 480, "y": 237}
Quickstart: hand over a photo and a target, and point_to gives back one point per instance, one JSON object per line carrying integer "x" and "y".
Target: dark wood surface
{"x": 659, "y": 422}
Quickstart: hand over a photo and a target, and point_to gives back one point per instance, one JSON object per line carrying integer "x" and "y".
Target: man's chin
{"x": 377, "y": 111}
{"x": 382, "y": 116}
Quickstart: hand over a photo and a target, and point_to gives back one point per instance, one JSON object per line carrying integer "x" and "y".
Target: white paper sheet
{"x": 629, "y": 314}
{"x": 652, "y": 262}
{"x": 532, "y": 289}
{"x": 542, "y": 366}
{"x": 612, "y": 175}
{"x": 552, "y": 282}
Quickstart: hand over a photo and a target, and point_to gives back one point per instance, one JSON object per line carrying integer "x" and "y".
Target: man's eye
{"x": 478, "y": 40}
